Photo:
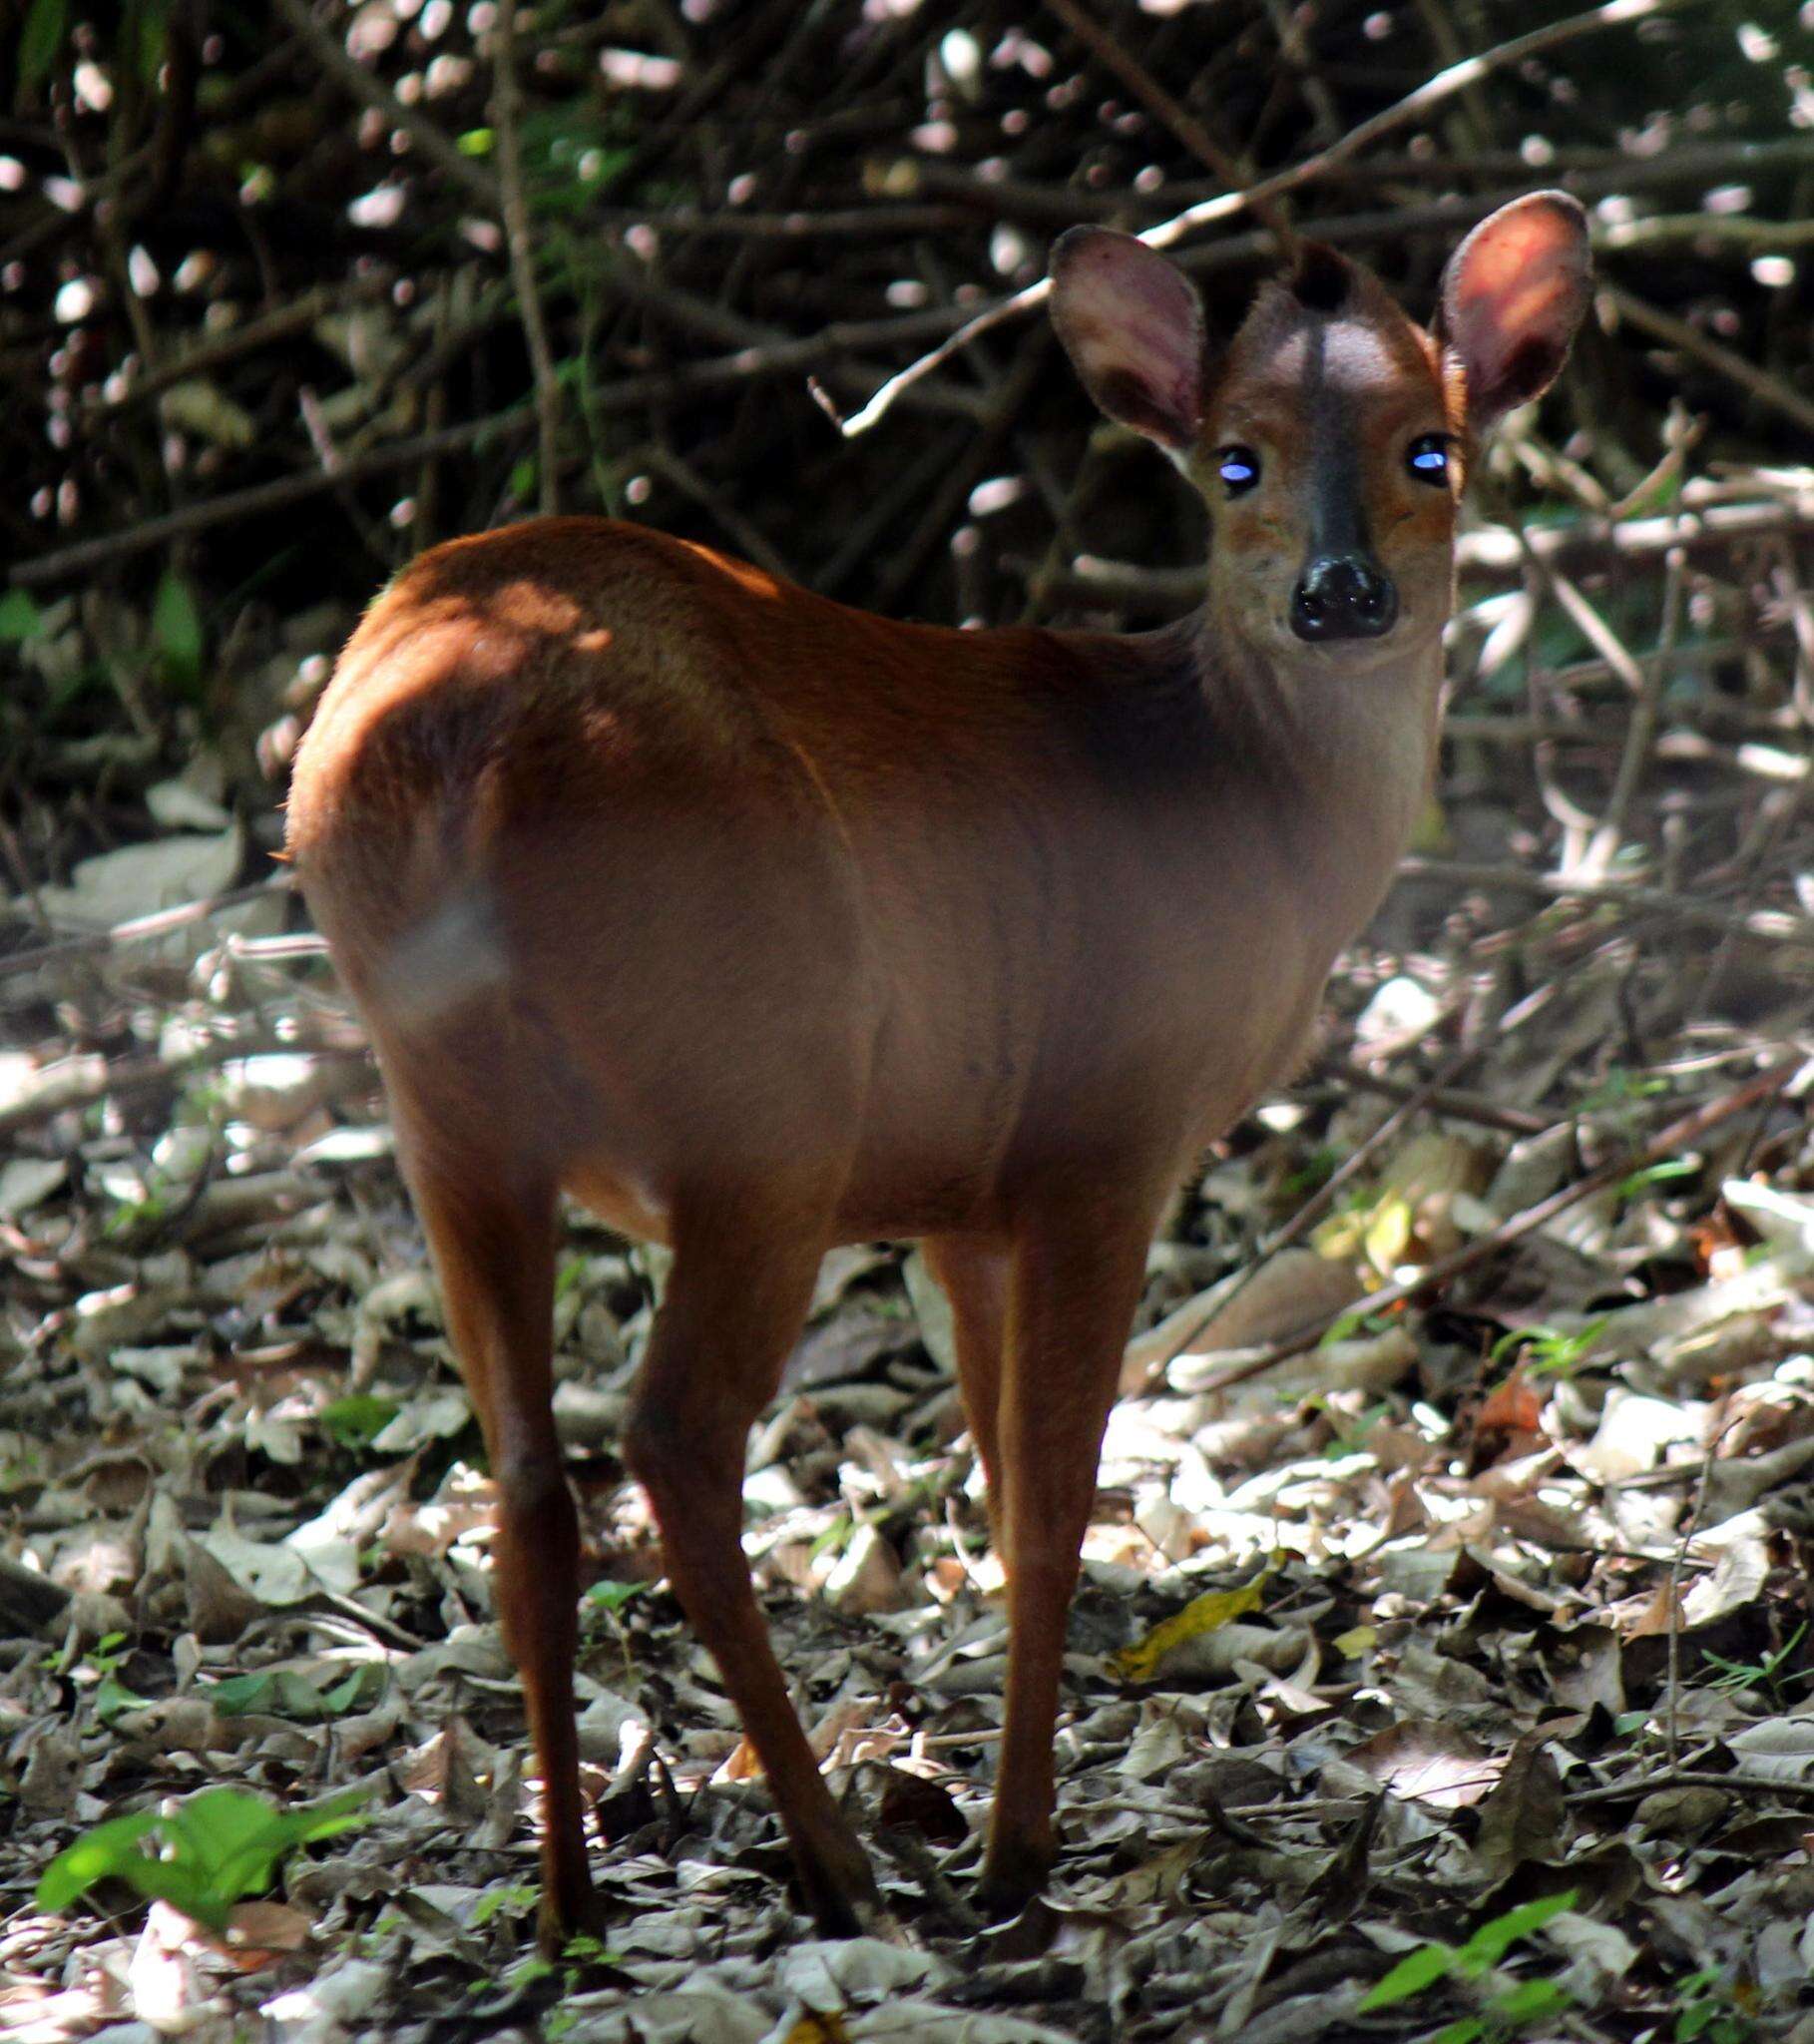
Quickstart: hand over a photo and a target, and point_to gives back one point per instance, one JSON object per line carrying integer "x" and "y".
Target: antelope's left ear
{"x": 1132, "y": 325}
{"x": 1513, "y": 295}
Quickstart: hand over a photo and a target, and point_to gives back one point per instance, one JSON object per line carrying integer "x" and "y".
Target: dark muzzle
{"x": 1343, "y": 596}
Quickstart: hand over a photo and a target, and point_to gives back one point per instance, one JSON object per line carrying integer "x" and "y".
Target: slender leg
{"x": 493, "y": 1244}
{"x": 736, "y": 1295}
{"x": 974, "y": 1275}
{"x": 1076, "y": 1281}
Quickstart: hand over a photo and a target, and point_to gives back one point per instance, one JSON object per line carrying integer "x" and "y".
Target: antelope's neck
{"x": 1335, "y": 760}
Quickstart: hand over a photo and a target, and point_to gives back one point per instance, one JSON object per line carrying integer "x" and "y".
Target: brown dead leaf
{"x": 918, "y": 1805}
{"x": 1515, "y": 1405}
{"x": 1431, "y": 1763}
{"x": 1524, "y": 1817}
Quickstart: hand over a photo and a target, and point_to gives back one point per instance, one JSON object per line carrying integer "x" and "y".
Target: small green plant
{"x": 103, "y": 1657}
{"x": 370, "y": 1944}
{"x": 579, "y": 1952}
{"x": 836, "y": 1537}
{"x": 1709, "y": 2011}
{"x": 288, "y": 1693}
{"x": 97, "y": 1668}
{"x": 178, "y": 635}
{"x": 20, "y": 617}
{"x": 505, "y": 1899}
{"x": 602, "y": 1614}
{"x": 1763, "y": 1672}
{"x": 612, "y": 1597}
{"x": 1310, "y": 1176}
{"x": 1551, "y": 1352}
{"x": 1662, "y": 1174}
{"x": 1348, "y": 1432}
{"x": 355, "y": 1421}
{"x": 1504, "y": 2012}
{"x": 202, "y": 1857}
{"x": 1348, "y": 1327}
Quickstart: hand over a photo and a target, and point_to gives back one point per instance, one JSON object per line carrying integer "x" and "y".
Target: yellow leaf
{"x": 813, "y": 2028}
{"x": 1205, "y": 1614}
{"x": 1339, "y": 1238}
{"x": 1432, "y": 833}
{"x": 1389, "y": 1234}
{"x": 1356, "y": 1641}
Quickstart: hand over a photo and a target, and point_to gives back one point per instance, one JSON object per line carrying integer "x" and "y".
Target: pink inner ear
{"x": 1514, "y": 293}
{"x": 1134, "y": 328}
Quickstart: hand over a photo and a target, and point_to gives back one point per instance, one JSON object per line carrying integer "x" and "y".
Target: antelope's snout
{"x": 1343, "y": 596}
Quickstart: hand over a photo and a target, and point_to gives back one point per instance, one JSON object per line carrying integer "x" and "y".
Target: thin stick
{"x": 514, "y": 208}
{"x": 254, "y": 502}
{"x": 1797, "y": 932}
{"x": 1430, "y": 94}
{"x": 1665, "y": 326}
{"x": 1183, "y": 122}
{"x": 1603, "y": 847}
{"x": 1220, "y": 1298}
{"x": 1677, "y": 1135}
{"x": 1495, "y": 550}
{"x": 85, "y": 944}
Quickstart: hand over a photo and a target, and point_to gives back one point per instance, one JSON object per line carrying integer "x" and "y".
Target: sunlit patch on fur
{"x": 529, "y": 606}
{"x": 452, "y": 955}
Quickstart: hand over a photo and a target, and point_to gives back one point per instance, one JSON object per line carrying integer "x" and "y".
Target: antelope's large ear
{"x": 1513, "y": 295}
{"x": 1133, "y": 324}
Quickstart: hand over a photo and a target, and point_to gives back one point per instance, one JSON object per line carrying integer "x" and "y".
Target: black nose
{"x": 1343, "y": 596}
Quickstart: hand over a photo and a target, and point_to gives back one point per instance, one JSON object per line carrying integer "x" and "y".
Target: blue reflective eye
{"x": 1429, "y": 457}
{"x": 1239, "y": 468}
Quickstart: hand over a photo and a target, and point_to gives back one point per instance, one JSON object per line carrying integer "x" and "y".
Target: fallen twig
{"x": 1677, "y": 1135}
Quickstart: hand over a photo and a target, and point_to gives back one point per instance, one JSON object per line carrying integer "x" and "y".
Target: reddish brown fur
{"x": 761, "y": 925}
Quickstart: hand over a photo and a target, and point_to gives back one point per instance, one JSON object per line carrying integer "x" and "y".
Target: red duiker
{"x": 760, "y": 924}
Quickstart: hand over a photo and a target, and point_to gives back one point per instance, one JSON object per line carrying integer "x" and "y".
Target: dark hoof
{"x": 560, "y": 1919}
{"x": 843, "y": 1897}
{"x": 1011, "y": 1879}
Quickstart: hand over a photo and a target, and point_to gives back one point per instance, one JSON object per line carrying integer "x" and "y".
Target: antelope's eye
{"x": 1239, "y": 468}
{"x": 1428, "y": 457}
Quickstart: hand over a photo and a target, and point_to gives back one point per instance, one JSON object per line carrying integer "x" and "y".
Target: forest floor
{"x": 1484, "y": 1615}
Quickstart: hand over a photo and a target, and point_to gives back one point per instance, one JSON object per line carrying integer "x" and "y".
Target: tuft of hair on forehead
{"x": 1320, "y": 280}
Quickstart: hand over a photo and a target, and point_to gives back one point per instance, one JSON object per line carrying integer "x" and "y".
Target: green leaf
{"x": 211, "y": 1851}
{"x": 614, "y": 1596}
{"x": 356, "y": 1420}
{"x": 476, "y": 142}
{"x": 20, "y": 617}
{"x": 93, "y": 1857}
{"x": 235, "y": 1695}
{"x": 285, "y": 1692}
{"x": 112, "y": 1698}
{"x": 176, "y": 631}
{"x": 1532, "y": 1999}
{"x": 1492, "y": 1941}
{"x": 1656, "y": 1175}
{"x": 1463, "y": 2031}
{"x": 363, "y": 1685}
{"x": 1413, "y": 1973}
{"x": 41, "y": 40}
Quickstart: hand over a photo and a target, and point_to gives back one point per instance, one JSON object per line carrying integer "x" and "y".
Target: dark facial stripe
{"x": 1338, "y": 518}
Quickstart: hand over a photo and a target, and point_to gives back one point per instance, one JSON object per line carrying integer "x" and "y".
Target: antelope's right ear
{"x": 1513, "y": 295}
{"x": 1132, "y": 325}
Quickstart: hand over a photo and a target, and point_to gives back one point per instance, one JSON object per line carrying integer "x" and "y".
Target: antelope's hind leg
{"x": 744, "y": 1259}
{"x": 491, "y": 1231}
